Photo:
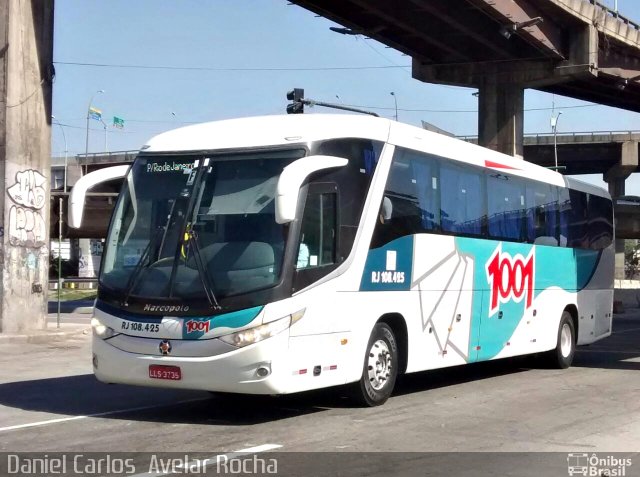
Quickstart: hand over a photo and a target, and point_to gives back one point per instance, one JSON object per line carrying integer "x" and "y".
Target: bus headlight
{"x": 101, "y": 330}
{"x": 259, "y": 333}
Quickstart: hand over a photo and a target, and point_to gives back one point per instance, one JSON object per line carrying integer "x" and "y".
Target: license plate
{"x": 161, "y": 371}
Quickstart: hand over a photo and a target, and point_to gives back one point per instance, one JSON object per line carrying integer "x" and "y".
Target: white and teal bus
{"x": 273, "y": 255}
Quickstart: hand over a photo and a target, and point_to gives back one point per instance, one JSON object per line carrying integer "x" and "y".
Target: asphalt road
{"x": 50, "y": 402}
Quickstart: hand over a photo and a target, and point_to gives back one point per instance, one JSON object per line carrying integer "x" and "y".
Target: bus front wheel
{"x": 562, "y": 356}
{"x": 380, "y": 367}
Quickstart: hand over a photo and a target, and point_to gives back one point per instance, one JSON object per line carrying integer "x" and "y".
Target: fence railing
{"x": 74, "y": 282}
{"x": 613, "y": 136}
{"x": 615, "y": 14}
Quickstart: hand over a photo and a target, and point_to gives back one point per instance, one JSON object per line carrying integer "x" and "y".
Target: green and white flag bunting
{"x": 118, "y": 122}
{"x": 95, "y": 113}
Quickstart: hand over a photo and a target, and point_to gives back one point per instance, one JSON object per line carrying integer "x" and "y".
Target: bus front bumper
{"x": 238, "y": 371}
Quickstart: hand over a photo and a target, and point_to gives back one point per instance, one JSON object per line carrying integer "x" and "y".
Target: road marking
{"x": 239, "y": 453}
{"x": 216, "y": 459}
{"x": 98, "y": 414}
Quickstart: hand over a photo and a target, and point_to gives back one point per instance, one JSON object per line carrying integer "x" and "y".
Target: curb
{"x": 44, "y": 336}
{"x": 70, "y": 307}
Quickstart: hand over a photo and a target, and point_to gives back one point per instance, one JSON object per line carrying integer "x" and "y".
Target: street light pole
{"x": 60, "y": 201}
{"x": 66, "y": 153}
{"x": 395, "y": 101}
{"x": 554, "y": 127}
{"x": 104, "y": 125}
{"x": 86, "y": 146}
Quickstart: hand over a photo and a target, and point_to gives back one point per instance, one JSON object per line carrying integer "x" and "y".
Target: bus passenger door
{"x": 318, "y": 238}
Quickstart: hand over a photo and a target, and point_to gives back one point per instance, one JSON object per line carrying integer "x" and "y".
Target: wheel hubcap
{"x": 379, "y": 364}
{"x": 566, "y": 343}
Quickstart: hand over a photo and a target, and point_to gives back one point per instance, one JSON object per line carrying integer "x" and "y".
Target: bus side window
{"x": 600, "y": 212}
{"x": 317, "y": 245}
{"x": 541, "y": 214}
{"x": 462, "y": 204}
{"x": 564, "y": 209}
{"x": 578, "y": 220}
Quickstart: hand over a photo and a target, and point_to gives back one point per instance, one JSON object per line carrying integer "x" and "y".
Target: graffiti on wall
{"x": 26, "y": 220}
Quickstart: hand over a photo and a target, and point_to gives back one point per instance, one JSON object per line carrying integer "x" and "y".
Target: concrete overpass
{"x": 575, "y": 48}
{"x": 598, "y": 152}
{"x": 100, "y": 201}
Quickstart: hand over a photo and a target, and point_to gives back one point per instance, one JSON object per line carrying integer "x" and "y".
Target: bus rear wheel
{"x": 562, "y": 356}
{"x": 380, "y": 367}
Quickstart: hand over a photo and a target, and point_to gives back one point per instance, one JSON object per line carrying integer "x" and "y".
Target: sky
{"x": 164, "y": 64}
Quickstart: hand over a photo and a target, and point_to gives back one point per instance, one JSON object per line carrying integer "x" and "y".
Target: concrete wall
{"x": 26, "y": 33}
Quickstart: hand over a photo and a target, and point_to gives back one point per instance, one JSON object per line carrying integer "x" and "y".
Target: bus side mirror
{"x": 292, "y": 178}
{"x": 86, "y": 182}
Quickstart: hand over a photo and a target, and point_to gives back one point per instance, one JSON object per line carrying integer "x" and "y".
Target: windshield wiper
{"x": 202, "y": 271}
{"x": 192, "y": 185}
{"x": 133, "y": 278}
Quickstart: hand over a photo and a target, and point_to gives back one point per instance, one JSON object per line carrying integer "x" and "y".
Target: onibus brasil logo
{"x": 510, "y": 278}
{"x": 595, "y": 465}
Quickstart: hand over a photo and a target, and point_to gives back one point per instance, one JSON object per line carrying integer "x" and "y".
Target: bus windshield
{"x": 179, "y": 229}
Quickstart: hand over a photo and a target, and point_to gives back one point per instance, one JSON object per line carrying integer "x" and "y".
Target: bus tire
{"x": 562, "y": 356}
{"x": 380, "y": 367}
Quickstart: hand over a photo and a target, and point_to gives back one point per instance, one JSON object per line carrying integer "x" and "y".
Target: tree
{"x": 631, "y": 258}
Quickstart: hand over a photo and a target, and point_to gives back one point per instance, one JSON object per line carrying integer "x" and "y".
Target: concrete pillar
{"x": 90, "y": 257}
{"x": 500, "y": 118}
{"x": 616, "y": 186}
{"x": 615, "y": 178}
{"x": 616, "y": 189}
{"x": 74, "y": 252}
{"x": 26, "y": 74}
